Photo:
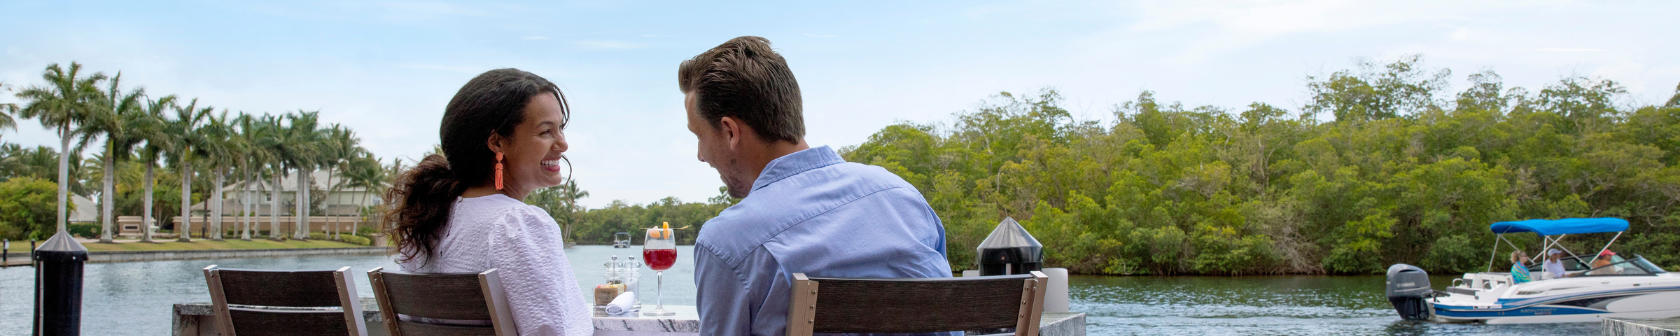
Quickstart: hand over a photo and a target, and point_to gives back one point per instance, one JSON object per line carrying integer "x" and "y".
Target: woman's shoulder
{"x": 500, "y": 208}
{"x": 493, "y": 205}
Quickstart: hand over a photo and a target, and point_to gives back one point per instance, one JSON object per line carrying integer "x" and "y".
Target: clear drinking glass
{"x": 659, "y": 250}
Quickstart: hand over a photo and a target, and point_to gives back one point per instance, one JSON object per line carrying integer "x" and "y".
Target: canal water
{"x": 135, "y": 298}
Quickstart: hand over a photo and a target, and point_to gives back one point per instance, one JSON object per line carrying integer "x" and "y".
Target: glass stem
{"x": 660, "y": 279}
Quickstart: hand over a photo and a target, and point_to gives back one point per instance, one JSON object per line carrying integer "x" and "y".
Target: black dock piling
{"x": 58, "y": 285}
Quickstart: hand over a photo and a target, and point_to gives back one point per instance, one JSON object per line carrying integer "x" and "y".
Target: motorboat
{"x": 621, "y": 240}
{"x": 1618, "y": 287}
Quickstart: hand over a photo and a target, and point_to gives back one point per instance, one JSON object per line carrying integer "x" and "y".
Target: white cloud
{"x": 1462, "y": 34}
{"x": 608, "y": 45}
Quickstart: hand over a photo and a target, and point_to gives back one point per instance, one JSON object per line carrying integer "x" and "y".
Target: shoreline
{"x": 22, "y": 259}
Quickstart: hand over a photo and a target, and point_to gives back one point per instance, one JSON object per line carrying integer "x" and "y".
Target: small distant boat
{"x": 1626, "y": 288}
{"x": 621, "y": 240}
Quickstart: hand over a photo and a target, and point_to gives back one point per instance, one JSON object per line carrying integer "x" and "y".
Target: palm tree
{"x": 117, "y": 117}
{"x": 302, "y": 149}
{"x": 157, "y": 142}
{"x": 6, "y": 110}
{"x": 271, "y": 138}
{"x": 570, "y": 193}
{"x": 184, "y": 132}
{"x": 250, "y": 167}
{"x": 65, "y": 104}
{"x": 363, "y": 172}
{"x": 386, "y": 175}
{"x": 217, "y": 148}
{"x": 342, "y": 148}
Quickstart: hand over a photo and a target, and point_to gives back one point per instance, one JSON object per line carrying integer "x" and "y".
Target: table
{"x": 686, "y": 322}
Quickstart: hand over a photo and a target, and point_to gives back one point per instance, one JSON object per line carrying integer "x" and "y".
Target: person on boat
{"x": 804, "y": 209}
{"x": 462, "y": 211}
{"x": 1599, "y": 264}
{"x": 1553, "y": 266}
{"x": 1519, "y": 267}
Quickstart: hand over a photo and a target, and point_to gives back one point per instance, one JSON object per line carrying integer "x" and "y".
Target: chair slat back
{"x": 844, "y": 305}
{"x": 261, "y": 322}
{"x": 279, "y": 288}
{"x": 426, "y": 298}
{"x": 263, "y": 302}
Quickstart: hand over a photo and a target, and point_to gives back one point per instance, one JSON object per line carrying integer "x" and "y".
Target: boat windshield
{"x": 1636, "y": 266}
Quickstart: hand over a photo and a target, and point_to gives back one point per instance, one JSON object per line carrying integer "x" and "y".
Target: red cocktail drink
{"x": 661, "y": 259}
{"x": 660, "y": 251}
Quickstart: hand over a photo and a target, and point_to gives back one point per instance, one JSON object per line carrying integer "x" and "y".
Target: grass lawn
{"x": 200, "y": 244}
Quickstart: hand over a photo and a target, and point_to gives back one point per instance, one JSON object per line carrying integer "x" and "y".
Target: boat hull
{"x": 1591, "y": 307}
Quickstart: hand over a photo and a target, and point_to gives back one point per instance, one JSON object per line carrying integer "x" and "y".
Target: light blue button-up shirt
{"x": 810, "y": 212}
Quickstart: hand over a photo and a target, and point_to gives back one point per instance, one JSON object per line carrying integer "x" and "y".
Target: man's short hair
{"x": 746, "y": 80}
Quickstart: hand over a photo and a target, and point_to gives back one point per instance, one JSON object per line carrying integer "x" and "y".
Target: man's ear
{"x": 731, "y": 130}
{"x": 496, "y": 142}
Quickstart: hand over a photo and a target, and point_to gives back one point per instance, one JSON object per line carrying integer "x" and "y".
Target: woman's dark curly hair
{"x": 422, "y": 197}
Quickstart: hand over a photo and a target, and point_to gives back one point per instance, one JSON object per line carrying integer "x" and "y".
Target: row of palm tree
{"x": 248, "y": 148}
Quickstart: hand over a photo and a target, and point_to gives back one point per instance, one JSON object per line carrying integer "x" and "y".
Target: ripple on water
{"x": 1274, "y": 305}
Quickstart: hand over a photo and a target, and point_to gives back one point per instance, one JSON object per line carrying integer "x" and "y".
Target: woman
{"x": 461, "y": 212}
{"x": 1519, "y": 267}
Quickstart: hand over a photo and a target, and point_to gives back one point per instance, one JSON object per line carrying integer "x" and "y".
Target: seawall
{"x": 22, "y": 259}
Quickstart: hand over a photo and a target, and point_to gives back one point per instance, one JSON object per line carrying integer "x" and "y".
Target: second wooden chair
{"x": 844, "y": 305}
{"x": 442, "y": 304}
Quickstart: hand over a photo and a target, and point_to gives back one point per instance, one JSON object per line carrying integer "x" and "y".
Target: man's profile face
{"x": 714, "y": 149}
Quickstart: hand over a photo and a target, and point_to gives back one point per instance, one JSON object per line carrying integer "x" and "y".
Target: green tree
{"x": 219, "y": 151}
{"x": 187, "y": 145}
{"x": 26, "y": 208}
{"x": 561, "y": 203}
{"x": 119, "y": 118}
{"x": 64, "y": 104}
{"x": 157, "y": 142}
{"x": 6, "y": 111}
{"x": 364, "y": 171}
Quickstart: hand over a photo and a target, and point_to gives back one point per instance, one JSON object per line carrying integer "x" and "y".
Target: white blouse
{"x": 524, "y": 245}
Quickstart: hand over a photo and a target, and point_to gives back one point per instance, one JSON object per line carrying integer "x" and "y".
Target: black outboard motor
{"x": 1408, "y": 288}
{"x": 1010, "y": 250}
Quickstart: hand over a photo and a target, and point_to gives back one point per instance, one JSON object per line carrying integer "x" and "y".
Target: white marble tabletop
{"x": 686, "y": 321}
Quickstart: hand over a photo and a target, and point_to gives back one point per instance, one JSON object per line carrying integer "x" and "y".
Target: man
{"x": 1599, "y": 264}
{"x": 1553, "y": 265}
{"x": 803, "y": 209}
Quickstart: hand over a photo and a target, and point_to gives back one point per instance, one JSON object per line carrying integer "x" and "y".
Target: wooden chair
{"x": 442, "y": 304}
{"x": 257, "y": 302}
{"x": 845, "y": 305}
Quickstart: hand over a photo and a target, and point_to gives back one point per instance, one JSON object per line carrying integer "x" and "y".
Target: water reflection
{"x": 1282, "y": 305}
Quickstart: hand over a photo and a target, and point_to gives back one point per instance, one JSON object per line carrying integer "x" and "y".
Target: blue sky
{"x": 386, "y": 69}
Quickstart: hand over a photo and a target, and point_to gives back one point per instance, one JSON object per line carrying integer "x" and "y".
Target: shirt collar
{"x": 795, "y": 163}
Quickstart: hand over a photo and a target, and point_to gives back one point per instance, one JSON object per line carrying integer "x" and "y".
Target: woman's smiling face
{"x": 532, "y": 155}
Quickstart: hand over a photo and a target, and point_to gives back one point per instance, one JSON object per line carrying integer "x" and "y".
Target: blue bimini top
{"x": 1552, "y": 227}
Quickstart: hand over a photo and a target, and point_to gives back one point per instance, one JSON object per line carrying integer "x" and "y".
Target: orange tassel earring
{"x": 498, "y": 171}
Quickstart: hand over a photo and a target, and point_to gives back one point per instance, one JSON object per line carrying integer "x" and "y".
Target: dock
{"x": 1641, "y": 327}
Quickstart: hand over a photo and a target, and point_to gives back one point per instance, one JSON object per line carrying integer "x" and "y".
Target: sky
{"x": 386, "y": 69}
